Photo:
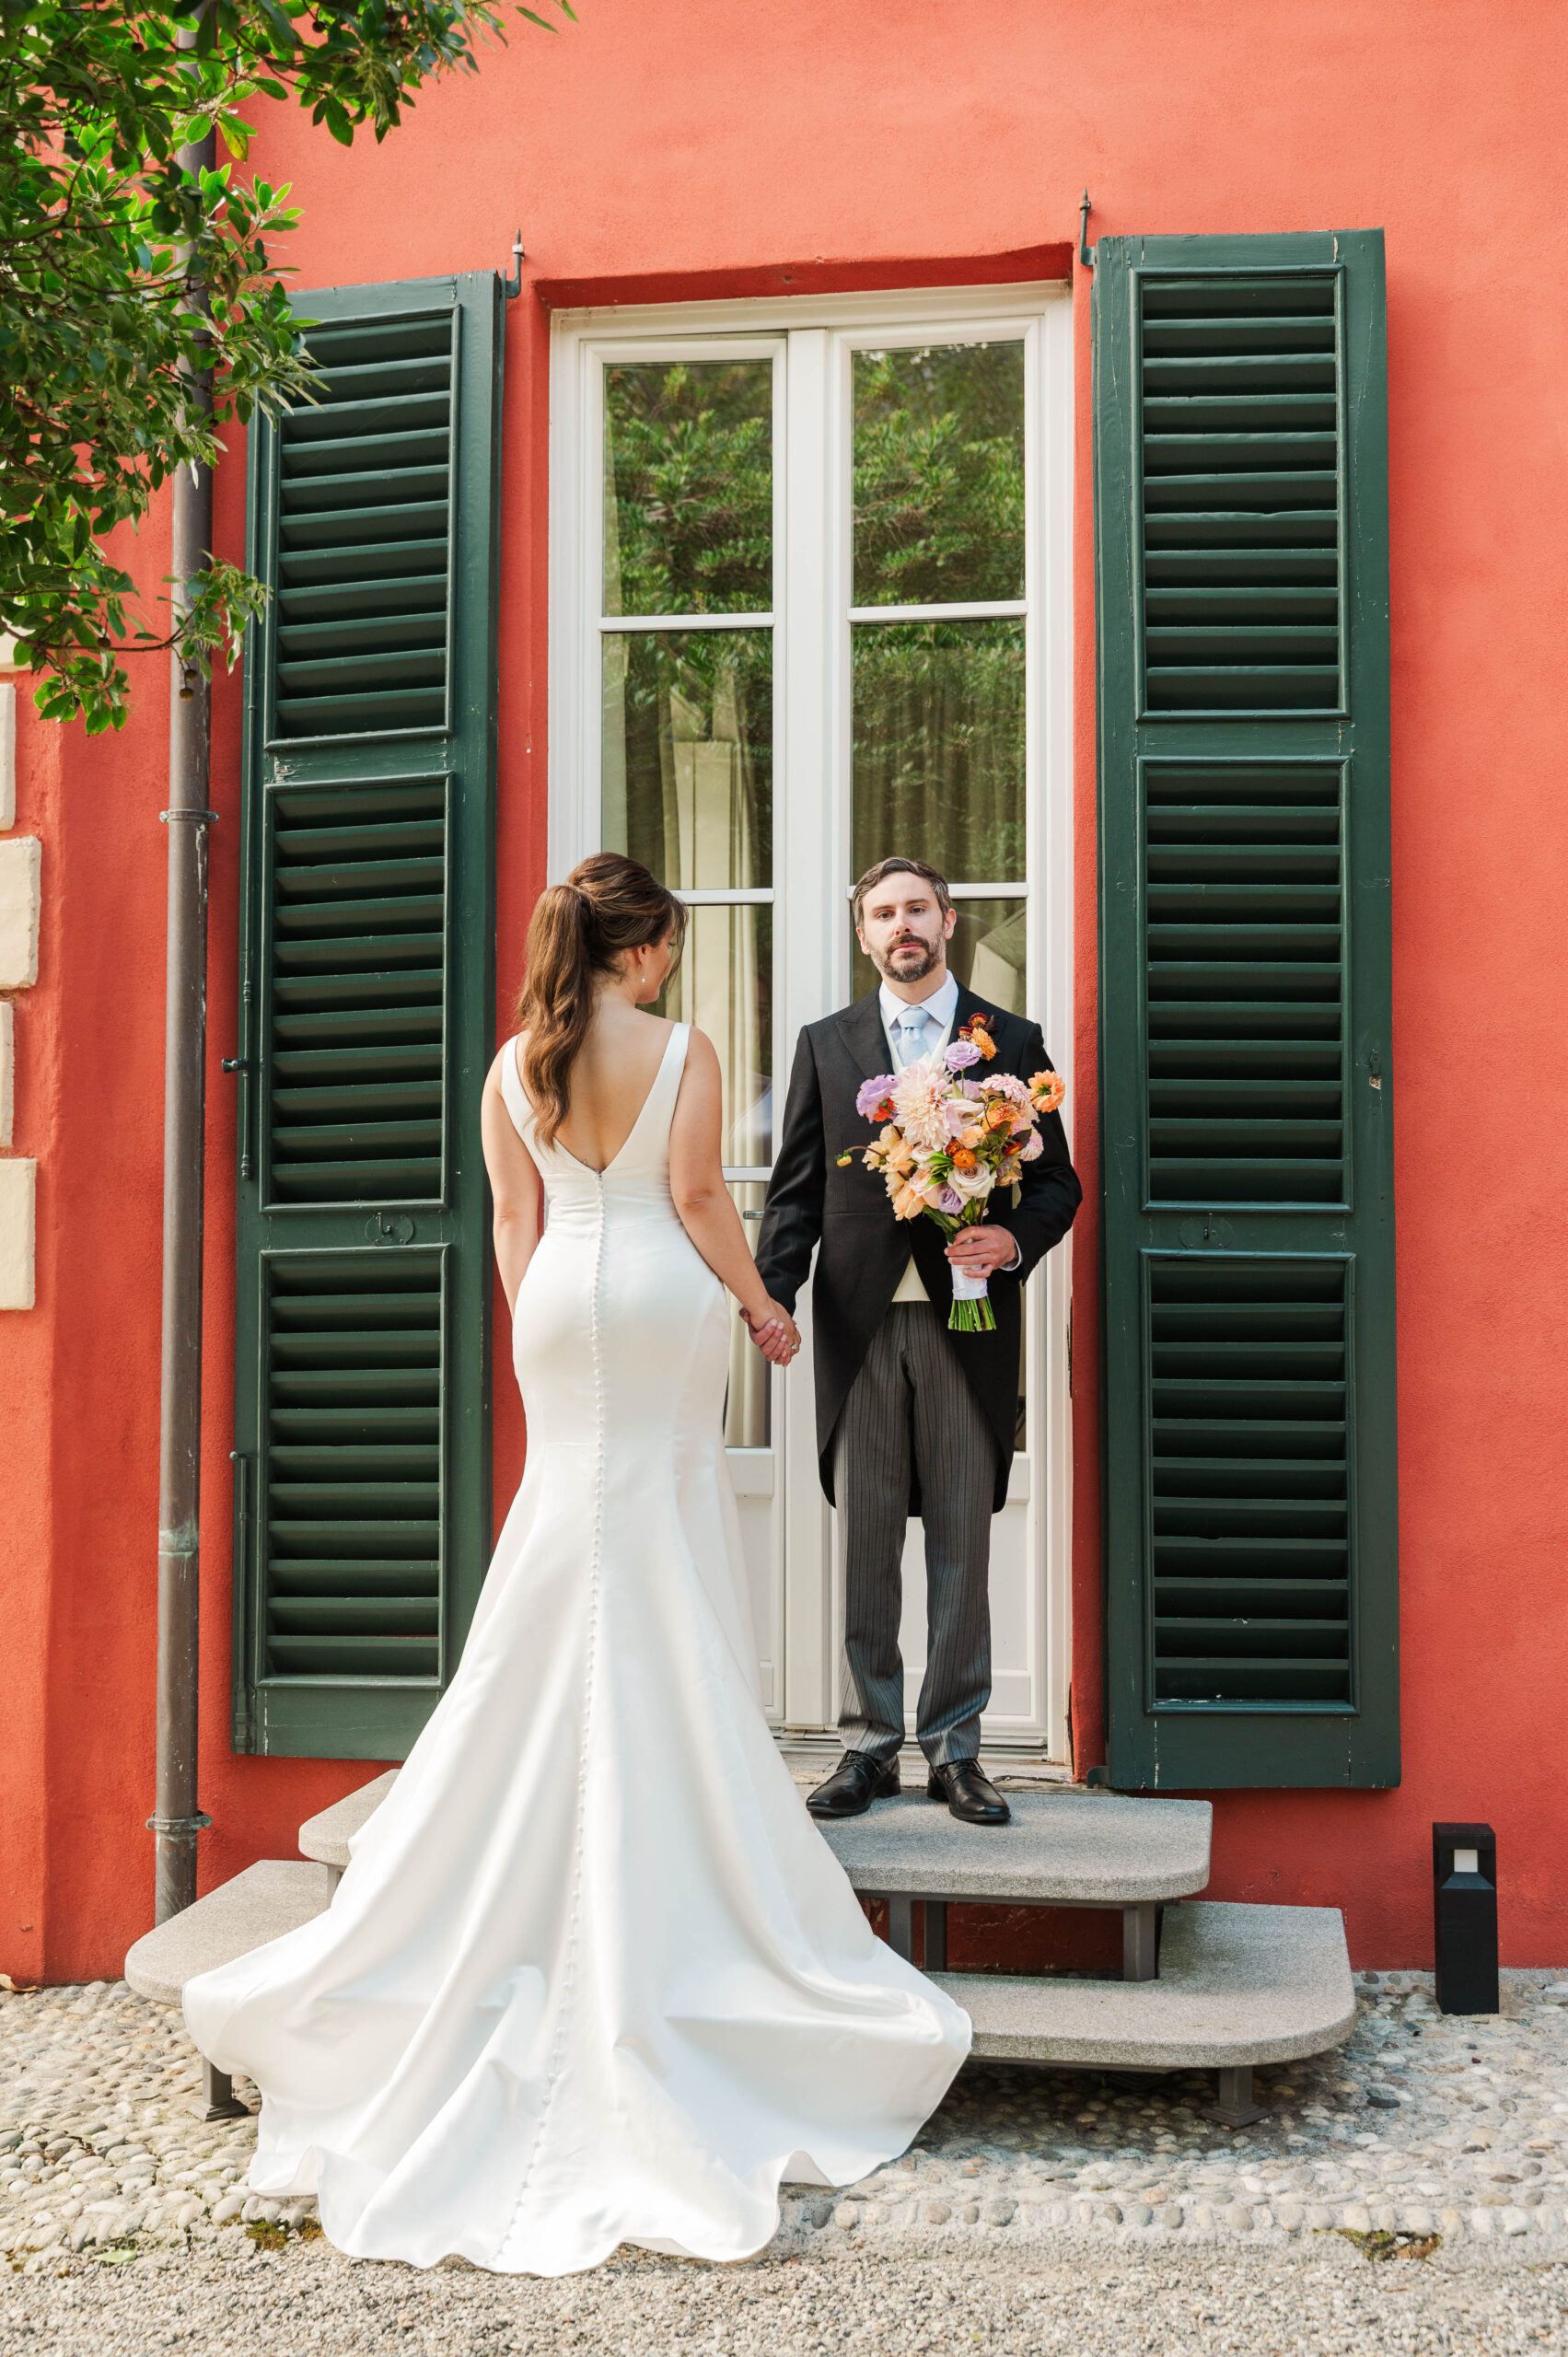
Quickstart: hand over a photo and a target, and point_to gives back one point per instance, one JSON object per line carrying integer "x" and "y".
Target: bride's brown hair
{"x": 580, "y": 930}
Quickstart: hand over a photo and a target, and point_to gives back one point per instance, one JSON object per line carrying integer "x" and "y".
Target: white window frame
{"x": 812, "y": 342}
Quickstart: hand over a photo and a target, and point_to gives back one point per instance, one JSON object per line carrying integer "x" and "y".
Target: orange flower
{"x": 1047, "y": 1089}
{"x": 998, "y": 1114}
{"x": 963, "y": 1159}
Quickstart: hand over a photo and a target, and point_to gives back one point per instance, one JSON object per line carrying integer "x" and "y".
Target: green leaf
{"x": 108, "y": 239}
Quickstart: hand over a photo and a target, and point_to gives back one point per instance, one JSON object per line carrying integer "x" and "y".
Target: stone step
{"x": 273, "y": 1897}
{"x": 1062, "y": 1849}
{"x": 1238, "y": 1985}
{"x": 326, "y": 1836}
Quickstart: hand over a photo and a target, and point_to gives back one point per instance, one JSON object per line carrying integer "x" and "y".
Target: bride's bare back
{"x": 614, "y": 1070}
{"x": 608, "y": 1084}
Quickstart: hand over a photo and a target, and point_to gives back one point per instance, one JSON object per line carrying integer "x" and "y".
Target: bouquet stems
{"x": 971, "y": 1312}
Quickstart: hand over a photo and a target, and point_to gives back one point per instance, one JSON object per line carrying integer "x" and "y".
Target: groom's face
{"x": 903, "y": 929}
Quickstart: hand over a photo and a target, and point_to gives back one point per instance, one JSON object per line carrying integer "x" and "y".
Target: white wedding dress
{"x": 593, "y": 1976}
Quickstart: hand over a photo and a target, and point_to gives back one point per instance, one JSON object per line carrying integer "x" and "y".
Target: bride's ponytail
{"x": 579, "y": 931}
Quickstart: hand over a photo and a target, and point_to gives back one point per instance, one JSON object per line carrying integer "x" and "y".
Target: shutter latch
{"x": 512, "y": 284}
{"x": 1085, "y": 251}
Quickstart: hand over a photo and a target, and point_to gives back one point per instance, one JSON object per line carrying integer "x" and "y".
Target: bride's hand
{"x": 775, "y": 1332}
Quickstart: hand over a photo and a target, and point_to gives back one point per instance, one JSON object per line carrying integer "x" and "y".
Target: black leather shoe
{"x": 856, "y": 1782}
{"x": 970, "y": 1796}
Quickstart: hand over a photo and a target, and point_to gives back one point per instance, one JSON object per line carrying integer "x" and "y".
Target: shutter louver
{"x": 352, "y": 1487}
{"x": 1244, "y": 983}
{"x": 1249, "y": 1474}
{"x": 1240, "y": 452}
{"x": 366, "y": 1005}
{"x": 364, "y": 509}
{"x": 359, "y": 993}
{"x": 1241, "y": 581}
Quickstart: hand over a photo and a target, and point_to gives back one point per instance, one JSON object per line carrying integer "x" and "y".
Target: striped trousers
{"x": 911, "y": 1406}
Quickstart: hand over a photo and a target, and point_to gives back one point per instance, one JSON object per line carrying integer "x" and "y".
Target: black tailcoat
{"x": 864, "y": 1249}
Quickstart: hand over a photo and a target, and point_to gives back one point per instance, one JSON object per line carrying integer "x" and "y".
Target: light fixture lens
{"x": 1467, "y": 1862}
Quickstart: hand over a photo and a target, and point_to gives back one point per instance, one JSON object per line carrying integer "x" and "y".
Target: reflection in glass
{"x": 724, "y": 985}
{"x": 745, "y": 1406}
{"x": 687, "y": 487}
{"x": 986, "y": 952}
{"x": 939, "y": 474}
{"x": 938, "y": 747}
{"x": 687, "y": 763}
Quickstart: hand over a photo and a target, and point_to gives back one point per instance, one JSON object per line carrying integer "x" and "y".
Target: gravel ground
{"x": 1081, "y": 2300}
{"x": 1038, "y": 2210}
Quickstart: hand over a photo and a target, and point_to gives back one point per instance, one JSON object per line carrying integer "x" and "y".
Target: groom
{"x": 911, "y": 1419}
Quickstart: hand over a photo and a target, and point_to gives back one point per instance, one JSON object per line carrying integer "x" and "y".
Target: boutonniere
{"x": 977, "y": 1032}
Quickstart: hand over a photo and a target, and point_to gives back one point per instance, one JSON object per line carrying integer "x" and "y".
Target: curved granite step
{"x": 1238, "y": 1985}
{"x": 326, "y": 1836}
{"x": 1062, "y": 1849}
{"x": 274, "y": 1896}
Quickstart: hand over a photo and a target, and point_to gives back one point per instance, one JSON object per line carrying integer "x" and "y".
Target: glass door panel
{"x": 939, "y": 474}
{"x": 688, "y": 755}
{"x": 724, "y": 985}
{"x": 688, "y": 487}
{"x": 938, "y": 746}
{"x": 747, "y": 1421}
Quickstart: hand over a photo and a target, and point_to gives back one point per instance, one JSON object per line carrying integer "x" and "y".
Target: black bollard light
{"x": 1464, "y": 1903}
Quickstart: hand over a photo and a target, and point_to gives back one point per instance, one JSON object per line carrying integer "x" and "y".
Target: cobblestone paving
{"x": 1421, "y": 2127}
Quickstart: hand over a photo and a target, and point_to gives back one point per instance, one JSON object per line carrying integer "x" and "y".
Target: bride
{"x": 592, "y": 1976}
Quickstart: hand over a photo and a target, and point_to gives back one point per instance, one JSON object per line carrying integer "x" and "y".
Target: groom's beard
{"x": 909, "y": 961}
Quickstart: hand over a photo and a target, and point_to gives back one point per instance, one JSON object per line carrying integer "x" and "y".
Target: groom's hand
{"x": 981, "y": 1251}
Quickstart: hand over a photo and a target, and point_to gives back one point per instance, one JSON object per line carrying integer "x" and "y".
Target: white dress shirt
{"x": 912, "y": 1032}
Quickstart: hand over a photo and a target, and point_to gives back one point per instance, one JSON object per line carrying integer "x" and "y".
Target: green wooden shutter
{"x": 1241, "y": 572}
{"x": 362, "y": 1477}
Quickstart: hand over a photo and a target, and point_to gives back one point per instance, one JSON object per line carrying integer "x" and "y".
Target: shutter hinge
{"x": 511, "y": 279}
{"x": 1085, "y": 251}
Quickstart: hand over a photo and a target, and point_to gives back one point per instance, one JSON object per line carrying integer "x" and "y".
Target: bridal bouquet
{"x": 950, "y": 1136}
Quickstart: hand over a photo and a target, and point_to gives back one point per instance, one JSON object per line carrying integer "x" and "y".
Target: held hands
{"x": 775, "y": 1332}
{"x": 981, "y": 1251}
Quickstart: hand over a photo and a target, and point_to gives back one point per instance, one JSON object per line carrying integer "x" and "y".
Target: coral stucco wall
{"x": 708, "y": 135}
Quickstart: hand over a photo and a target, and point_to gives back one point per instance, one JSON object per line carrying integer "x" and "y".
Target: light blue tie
{"x": 911, "y": 1028}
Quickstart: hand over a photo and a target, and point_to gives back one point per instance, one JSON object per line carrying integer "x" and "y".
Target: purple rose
{"x": 960, "y": 1055}
{"x": 873, "y": 1096}
{"x": 950, "y": 1201}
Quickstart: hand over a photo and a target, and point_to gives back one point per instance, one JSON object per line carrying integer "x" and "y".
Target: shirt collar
{"x": 942, "y": 1004}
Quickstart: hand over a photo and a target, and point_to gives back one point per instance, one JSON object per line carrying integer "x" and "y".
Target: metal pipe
{"x": 177, "y": 1819}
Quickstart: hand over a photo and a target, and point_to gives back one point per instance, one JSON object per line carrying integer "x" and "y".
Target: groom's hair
{"x": 886, "y": 867}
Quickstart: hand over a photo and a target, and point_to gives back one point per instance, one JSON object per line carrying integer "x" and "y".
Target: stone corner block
{"x": 18, "y": 1195}
{"x": 21, "y": 867}
{"x": 8, "y": 1071}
